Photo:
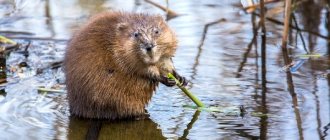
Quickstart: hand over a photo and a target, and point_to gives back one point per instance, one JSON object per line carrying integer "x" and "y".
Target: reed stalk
{"x": 186, "y": 91}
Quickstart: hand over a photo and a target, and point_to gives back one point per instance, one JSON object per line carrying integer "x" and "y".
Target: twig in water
{"x": 26, "y": 52}
{"x": 3, "y": 80}
{"x": 245, "y": 55}
{"x": 299, "y": 32}
{"x": 40, "y": 38}
{"x": 263, "y": 48}
{"x": 253, "y": 7}
{"x": 206, "y": 27}
{"x": 262, "y": 16}
{"x": 170, "y": 13}
{"x": 50, "y": 90}
{"x": 286, "y": 29}
{"x": 167, "y": 5}
{"x": 16, "y": 32}
{"x": 294, "y": 27}
{"x": 288, "y": 73}
{"x": 53, "y": 65}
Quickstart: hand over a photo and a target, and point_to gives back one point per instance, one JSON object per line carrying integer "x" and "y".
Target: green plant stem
{"x": 186, "y": 91}
{"x": 50, "y": 90}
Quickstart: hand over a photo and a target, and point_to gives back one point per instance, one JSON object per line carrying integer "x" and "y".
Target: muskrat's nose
{"x": 149, "y": 46}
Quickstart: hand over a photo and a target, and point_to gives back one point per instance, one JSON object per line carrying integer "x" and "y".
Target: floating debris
{"x": 297, "y": 65}
{"x": 251, "y": 5}
{"x": 23, "y": 64}
{"x": 259, "y": 114}
{"x": 225, "y": 110}
{"x": 287, "y": 67}
{"x": 40, "y": 89}
{"x": 306, "y": 56}
{"x": 228, "y": 111}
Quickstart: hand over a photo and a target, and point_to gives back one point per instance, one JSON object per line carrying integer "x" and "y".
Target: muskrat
{"x": 115, "y": 62}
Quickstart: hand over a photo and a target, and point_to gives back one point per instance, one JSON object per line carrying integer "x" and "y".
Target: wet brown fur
{"x": 105, "y": 75}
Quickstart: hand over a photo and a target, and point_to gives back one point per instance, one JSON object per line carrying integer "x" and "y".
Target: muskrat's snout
{"x": 150, "y": 52}
{"x": 149, "y": 46}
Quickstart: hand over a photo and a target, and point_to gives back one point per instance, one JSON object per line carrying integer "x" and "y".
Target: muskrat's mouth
{"x": 151, "y": 59}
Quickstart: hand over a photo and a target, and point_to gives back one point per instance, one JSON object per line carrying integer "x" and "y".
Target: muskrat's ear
{"x": 161, "y": 21}
{"x": 122, "y": 26}
{"x": 160, "y": 17}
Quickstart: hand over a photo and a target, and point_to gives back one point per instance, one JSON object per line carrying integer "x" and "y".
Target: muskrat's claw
{"x": 182, "y": 79}
{"x": 168, "y": 82}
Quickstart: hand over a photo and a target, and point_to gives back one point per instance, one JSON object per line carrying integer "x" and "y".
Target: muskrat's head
{"x": 145, "y": 37}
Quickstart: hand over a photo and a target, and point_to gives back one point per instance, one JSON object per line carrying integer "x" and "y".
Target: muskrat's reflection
{"x": 146, "y": 129}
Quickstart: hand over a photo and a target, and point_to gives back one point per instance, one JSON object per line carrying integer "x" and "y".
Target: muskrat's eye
{"x": 136, "y": 34}
{"x": 156, "y": 31}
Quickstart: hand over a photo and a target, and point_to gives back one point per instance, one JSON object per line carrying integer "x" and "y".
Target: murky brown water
{"x": 225, "y": 70}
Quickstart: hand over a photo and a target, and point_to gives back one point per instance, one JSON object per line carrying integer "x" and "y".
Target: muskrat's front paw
{"x": 183, "y": 80}
{"x": 168, "y": 82}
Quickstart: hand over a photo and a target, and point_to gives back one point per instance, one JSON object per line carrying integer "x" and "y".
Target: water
{"x": 223, "y": 69}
